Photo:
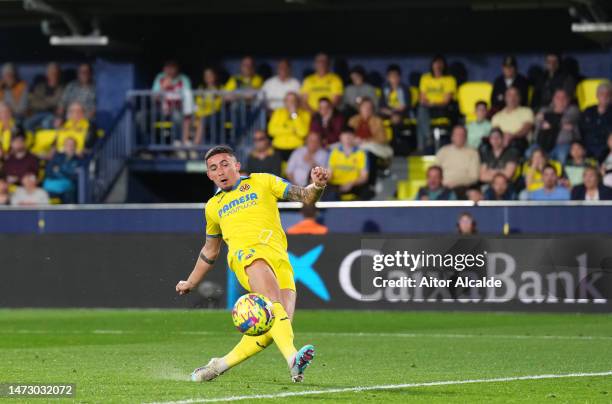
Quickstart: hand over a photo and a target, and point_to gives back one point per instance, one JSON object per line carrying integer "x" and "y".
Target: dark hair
{"x": 468, "y": 214}
{"x": 394, "y": 68}
{"x": 549, "y": 166}
{"x": 435, "y": 59}
{"x": 481, "y": 102}
{"x": 497, "y": 130}
{"x": 359, "y": 70}
{"x": 219, "y": 150}
{"x": 436, "y": 167}
{"x": 309, "y": 210}
{"x": 326, "y": 99}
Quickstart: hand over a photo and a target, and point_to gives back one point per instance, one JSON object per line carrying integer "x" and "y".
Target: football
{"x": 252, "y": 314}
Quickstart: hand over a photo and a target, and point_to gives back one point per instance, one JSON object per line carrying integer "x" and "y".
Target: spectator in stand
{"x": 557, "y": 126}
{"x": 437, "y": 90}
{"x": 78, "y": 128}
{"x": 497, "y": 159}
{"x": 577, "y": 162}
{"x": 44, "y": 100}
{"x": 510, "y": 77}
{"x": 554, "y": 78}
{"x": 309, "y": 224}
{"x": 466, "y": 225}
{"x": 327, "y": 122}
{"x": 606, "y": 164}
{"x": 29, "y": 194}
{"x": 370, "y": 131}
{"x": 396, "y": 99}
{"x": 550, "y": 191}
{"x": 247, "y": 79}
{"x": 13, "y": 90}
{"x": 176, "y": 100}
{"x": 460, "y": 163}
{"x": 516, "y": 122}
{"x": 263, "y": 158}
{"x": 533, "y": 169}
{"x": 499, "y": 189}
{"x": 322, "y": 84}
{"x": 305, "y": 158}
{"x": 349, "y": 170}
{"x": 20, "y": 161}
{"x": 474, "y": 194}
{"x": 289, "y": 126}
{"x": 61, "y": 172}
{"x": 591, "y": 189}
{"x": 81, "y": 90}
{"x": 357, "y": 91}
{"x": 277, "y": 87}
{"x": 596, "y": 122}
{"x": 5, "y": 197}
{"x": 206, "y": 107}
{"x": 8, "y": 127}
{"x": 480, "y": 128}
{"x": 434, "y": 190}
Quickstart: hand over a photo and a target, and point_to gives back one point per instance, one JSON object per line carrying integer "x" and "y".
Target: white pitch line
{"x": 333, "y": 334}
{"x": 439, "y": 335}
{"x": 383, "y": 387}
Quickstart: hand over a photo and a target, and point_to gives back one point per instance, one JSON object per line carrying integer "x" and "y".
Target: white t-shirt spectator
{"x": 21, "y": 197}
{"x": 275, "y": 90}
{"x": 299, "y": 168}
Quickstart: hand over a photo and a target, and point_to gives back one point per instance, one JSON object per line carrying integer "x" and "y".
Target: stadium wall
{"x": 389, "y": 218}
{"x": 141, "y": 270}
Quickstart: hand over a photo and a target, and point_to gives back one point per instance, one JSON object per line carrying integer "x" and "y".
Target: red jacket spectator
{"x": 327, "y": 122}
{"x": 20, "y": 161}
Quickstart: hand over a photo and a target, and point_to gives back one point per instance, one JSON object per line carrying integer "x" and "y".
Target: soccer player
{"x": 243, "y": 212}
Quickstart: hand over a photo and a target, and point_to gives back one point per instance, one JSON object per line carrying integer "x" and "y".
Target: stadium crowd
{"x": 528, "y": 141}
{"x": 45, "y": 130}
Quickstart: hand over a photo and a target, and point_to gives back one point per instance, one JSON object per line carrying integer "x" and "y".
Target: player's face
{"x": 223, "y": 170}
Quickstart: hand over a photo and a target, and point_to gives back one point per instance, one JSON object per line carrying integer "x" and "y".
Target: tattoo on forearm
{"x": 206, "y": 259}
{"x": 307, "y": 195}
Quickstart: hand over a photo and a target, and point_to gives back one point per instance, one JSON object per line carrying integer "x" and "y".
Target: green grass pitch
{"x": 132, "y": 356}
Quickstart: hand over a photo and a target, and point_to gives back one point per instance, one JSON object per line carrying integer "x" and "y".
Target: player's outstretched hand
{"x": 184, "y": 287}
{"x": 319, "y": 176}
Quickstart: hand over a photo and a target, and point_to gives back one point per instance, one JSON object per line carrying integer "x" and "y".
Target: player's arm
{"x": 204, "y": 263}
{"x": 311, "y": 193}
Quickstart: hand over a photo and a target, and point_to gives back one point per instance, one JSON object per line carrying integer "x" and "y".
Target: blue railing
{"x": 107, "y": 160}
{"x": 218, "y": 117}
{"x": 152, "y": 122}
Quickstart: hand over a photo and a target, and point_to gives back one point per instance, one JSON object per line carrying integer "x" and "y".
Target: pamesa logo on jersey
{"x": 236, "y": 204}
{"x": 304, "y": 272}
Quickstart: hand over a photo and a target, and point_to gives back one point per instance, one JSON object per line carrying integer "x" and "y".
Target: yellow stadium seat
{"x": 586, "y": 92}
{"x": 418, "y": 165}
{"x": 469, "y": 94}
{"x": 530, "y": 90}
{"x": 44, "y": 140}
{"x": 414, "y": 96}
{"x": 407, "y": 190}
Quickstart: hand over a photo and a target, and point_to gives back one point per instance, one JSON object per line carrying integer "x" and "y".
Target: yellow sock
{"x": 247, "y": 347}
{"x": 282, "y": 332}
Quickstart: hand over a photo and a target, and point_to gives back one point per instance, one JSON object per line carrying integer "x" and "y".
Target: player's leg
{"x": 304, "y": 356}
{"x": 263, "y": 280}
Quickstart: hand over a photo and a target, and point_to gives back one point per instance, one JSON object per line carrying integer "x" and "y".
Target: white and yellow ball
{"x": 252, "y": 314}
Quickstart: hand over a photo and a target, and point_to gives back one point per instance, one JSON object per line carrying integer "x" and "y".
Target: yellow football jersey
{"x": 318, "y": 87}
{"x": 436, "y": 88}
{"x": 247, "y": 214}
